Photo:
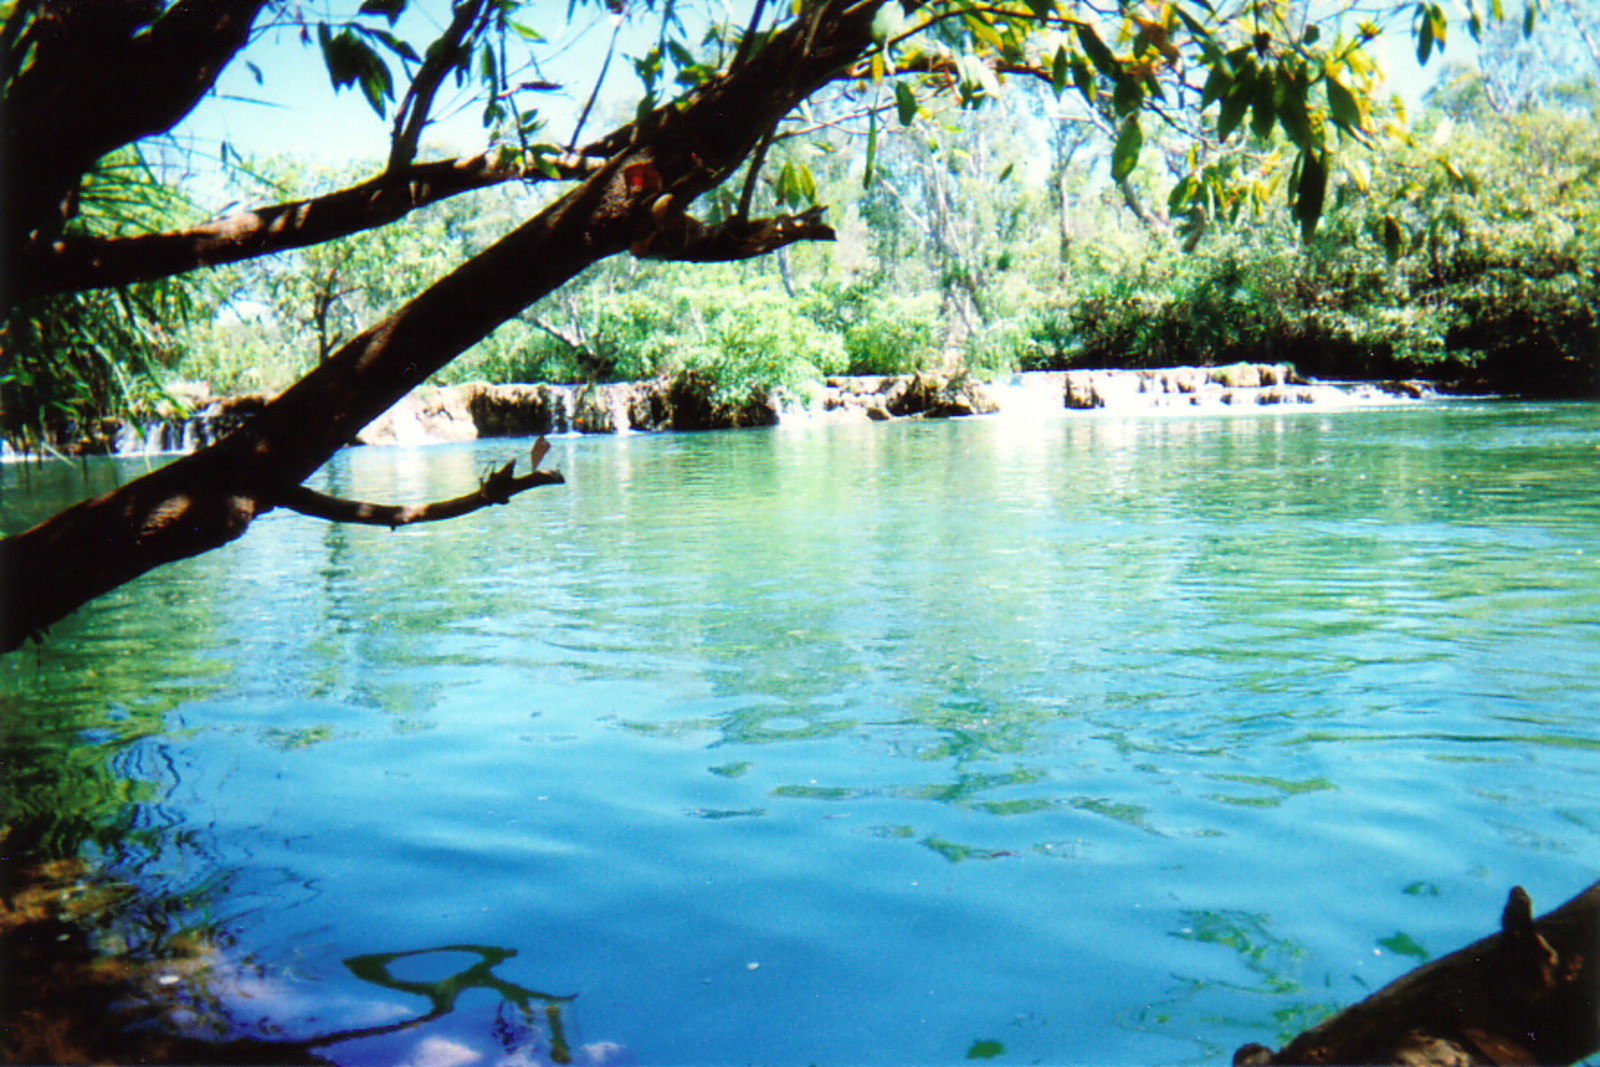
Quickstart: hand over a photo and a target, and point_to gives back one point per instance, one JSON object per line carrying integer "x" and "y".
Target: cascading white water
{"x": 1030, "y": 395}
{"x": 617, "y": 404}
{"x": 563, "y": 408}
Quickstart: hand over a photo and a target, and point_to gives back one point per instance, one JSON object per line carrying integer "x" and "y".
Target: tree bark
{"x": 202, "y": 501}
{"x": 1529, "y": 994}
{"x": 75, "y": 262}
{"x": 87, "y": 78}
{"x": 498, "y": 488}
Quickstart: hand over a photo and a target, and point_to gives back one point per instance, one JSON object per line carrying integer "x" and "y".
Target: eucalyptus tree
{"x": 83, "y": 80}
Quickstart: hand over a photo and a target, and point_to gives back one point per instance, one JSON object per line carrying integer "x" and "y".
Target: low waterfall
{"x": 564, "y": 408}
{"x": 464, "y": 413}
{"x": 1030, "y": 395}
{"x": 617, "y": 401}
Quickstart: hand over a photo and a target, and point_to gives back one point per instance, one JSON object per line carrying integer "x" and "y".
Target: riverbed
{"x": 1109, "y": 738}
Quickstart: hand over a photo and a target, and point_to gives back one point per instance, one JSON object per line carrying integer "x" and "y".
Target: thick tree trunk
{"x": 203, "y": 501}
{"x": 1529, "y": 994}
{"x": 90, "y": 78}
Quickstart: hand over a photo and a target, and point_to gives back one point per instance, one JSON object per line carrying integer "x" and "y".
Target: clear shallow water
{"x": 1095, "y": 740}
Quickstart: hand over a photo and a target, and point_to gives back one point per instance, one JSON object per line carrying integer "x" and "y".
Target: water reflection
{"x": 931, "y": 721}
{"x": 1262, "y": 990}
{"x": 528, "y": 1025}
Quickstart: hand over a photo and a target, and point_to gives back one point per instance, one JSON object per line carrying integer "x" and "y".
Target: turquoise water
{"x": 1113, "y": 740}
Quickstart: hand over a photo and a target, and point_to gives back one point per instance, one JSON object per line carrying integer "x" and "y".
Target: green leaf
{"x": 1293, "y": 113}
{"x": 544, "y": 159}
{"x": 1403, "y": 944}
{"x": 1042, "y": 9}
{"x": 1181, "y": 194}
{"x": 867, "y": 171}
{"x": 1424, "y": 33}
{"x": 1196, "y": 28}
{"x": 1343, "y": 106}
{"x": 394, "y": 44}
{"x": 679, "y": 52}
{"x": 1127, "y": 97}
{"x": 1312, "y": 34}
{"x": 1530, "y": 17}
{"x": 905, "y": 102}
{"x": 351, "y": 61}
{"x": 982, "y": 30}
{"x": 1060, "y": 70}
{"x": 786, "y": 191}
{"x": 487, "y": 67}
{"x": 1125, "y": 154}
{"x": 1459, "y": 179}
{"x": 1083, "y": 78}
{"x": 1098, "y": 53}
{"x": 805, "y": 183}
{"x": 1218, "y": 82}
{"x": 1236, "y": 103}
{"x": 1264, "y": 111}
{"x": 1311, "y": 191}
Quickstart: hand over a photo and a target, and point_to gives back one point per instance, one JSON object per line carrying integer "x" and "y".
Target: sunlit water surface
{"x": 1083, "y": 740}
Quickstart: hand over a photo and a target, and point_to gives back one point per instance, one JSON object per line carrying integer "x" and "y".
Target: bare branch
{"x": 497, "y": 488}
{"x": 600, "y": 79}
{"x": 412, "y": 114}
{"x": 73, "y": 263}
{"x": 691, "y": 241}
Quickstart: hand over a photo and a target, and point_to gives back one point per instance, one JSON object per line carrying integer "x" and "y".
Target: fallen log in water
{"x": 1529, "y": 994}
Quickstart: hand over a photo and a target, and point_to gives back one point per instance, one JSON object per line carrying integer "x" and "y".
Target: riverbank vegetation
{"x": 1467, "y": 253}
{"x": 1463, "y": 248}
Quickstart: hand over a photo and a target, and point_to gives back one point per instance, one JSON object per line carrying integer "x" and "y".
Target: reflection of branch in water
{"x": 441, "y": 995}
{"x": 1274, "y": 993}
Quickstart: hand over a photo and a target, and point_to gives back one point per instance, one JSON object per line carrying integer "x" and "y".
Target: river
{"x": 1084, "y": 739}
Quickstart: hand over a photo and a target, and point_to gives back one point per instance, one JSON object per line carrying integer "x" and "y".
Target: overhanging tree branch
{"x": 97, "y": 77}
{"x": 73, "y": 263}
{"x": 687, "y": 240}
{"x": 201, "y": 501}
{"x": 496, "y": 488}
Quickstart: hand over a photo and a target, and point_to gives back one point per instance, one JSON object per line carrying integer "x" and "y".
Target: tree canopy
{"x": 1270, "y": 97}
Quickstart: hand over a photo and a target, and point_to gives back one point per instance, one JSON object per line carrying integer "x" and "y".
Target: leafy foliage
{"x": 74, "y": 360}
{"x": 1152, "y": 231}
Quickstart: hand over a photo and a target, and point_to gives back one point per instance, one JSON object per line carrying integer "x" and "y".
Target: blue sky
{"x": 293, "y": 110}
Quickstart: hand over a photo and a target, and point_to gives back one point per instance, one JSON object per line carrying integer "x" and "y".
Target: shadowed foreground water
{"x": 1079, "y": 740}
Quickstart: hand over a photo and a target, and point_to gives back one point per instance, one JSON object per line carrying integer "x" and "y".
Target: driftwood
{"x": 1529, "y": 994}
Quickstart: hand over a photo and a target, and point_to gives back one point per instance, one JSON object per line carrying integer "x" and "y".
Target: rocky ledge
{"x": 689, "y": 402}
{"x": 467, "y": 412}
{"x": 1234, "y": 385}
